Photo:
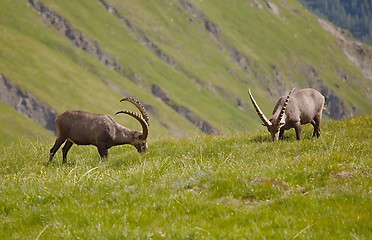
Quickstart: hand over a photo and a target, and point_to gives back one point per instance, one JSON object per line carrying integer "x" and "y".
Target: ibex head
{"x": 274, "y": 124}
{"x": 140, "y": 138}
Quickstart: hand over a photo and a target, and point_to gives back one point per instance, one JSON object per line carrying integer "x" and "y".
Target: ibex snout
{"x": 274, "y": 131}
{"x": 275, "y": 136}
{"x": 141, "y": 147}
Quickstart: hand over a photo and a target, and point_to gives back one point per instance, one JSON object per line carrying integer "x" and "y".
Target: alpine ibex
{"x": 85, "y": 128}
{"x": 299, "y": 107}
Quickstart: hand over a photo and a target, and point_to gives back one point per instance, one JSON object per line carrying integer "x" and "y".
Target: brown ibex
{"x": 85, "y": 128}
{"x": 299, "y": 107}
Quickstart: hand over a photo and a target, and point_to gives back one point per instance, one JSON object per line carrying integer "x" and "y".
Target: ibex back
{"x": 297, "y": 108}
{"x": 85, "y": 128}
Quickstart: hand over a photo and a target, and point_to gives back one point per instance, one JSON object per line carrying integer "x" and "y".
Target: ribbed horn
{"x": 281, "y": 114}
{"x": 145, "y": 126}
{"x": 264, "y": 119}
{"x": 140, "y": 107}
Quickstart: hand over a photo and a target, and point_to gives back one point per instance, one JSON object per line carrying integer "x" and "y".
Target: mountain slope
{"x": 190, "y": 62}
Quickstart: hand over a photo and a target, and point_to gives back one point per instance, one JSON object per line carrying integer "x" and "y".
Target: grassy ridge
{"x": 233, "y": 187}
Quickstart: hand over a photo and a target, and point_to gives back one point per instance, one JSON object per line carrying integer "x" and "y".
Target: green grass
{"x": 213, "y": 187}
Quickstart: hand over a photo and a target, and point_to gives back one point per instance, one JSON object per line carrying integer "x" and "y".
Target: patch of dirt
{"x": 348, "y": 174}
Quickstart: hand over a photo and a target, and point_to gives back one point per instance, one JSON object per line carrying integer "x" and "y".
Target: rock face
{"x": 354, "y": 50}
{"x": 140, "y": 35}
{"x": 203, "y": 125}
{"x": 75, "y": 36}
{"x": 26, "y": 104}
{"x": 335, "y": 107}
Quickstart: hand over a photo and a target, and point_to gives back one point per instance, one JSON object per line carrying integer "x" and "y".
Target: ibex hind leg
{"x": 316, "y": 124}
{"x": 103, "y": 151}
{"x": 55, "y": 147}
{"x": 65, "y": 150}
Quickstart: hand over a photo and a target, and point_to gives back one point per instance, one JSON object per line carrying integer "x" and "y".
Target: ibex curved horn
{"x": 281, "y": 114}
{"x": 145, "y": 126}
{"x": 264, "y": 119}
{"x": 140, "y": 107}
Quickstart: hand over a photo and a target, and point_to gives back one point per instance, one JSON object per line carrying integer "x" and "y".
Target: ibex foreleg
{"x": 298, "y": 130}
{"x": 65, "y": 150}
{"x": 102, "y": 150}
{"x": 55, "y": 147}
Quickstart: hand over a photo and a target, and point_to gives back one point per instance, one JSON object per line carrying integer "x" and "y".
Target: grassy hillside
{"x": 231, "y": 187}
{"x": 202, "y": 55}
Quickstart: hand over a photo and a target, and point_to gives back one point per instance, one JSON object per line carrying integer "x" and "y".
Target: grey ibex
{"x": 299, "y": 107}
{"x": 85, "y": 128}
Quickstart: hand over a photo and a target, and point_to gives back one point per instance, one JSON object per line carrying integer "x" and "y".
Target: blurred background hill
{"x": 190, "y": 62}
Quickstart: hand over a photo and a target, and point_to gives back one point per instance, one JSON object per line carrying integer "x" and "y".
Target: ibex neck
{"x": 123, "y": 135}
{"x": 274, "y": 119}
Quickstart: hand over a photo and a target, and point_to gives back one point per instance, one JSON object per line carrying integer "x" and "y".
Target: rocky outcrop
{"x": 203, "y": 125}
{"x": 142, "y": 38}
{"x": 239, "y": 58}
{"x": 26, "y": 103}
{"x": 359, "y": 55}
{"x": 76, "y": 36}
{"x": 335, "y": 106}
